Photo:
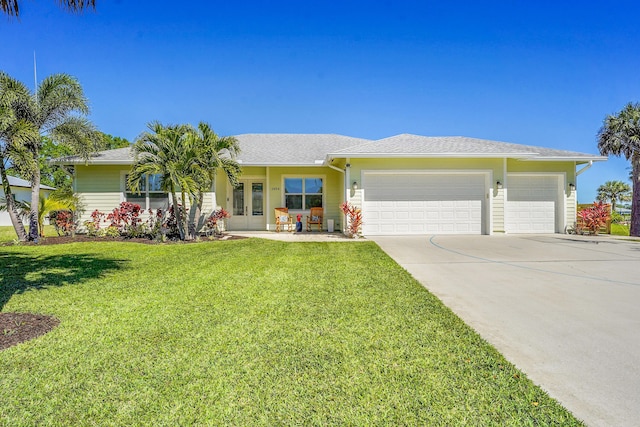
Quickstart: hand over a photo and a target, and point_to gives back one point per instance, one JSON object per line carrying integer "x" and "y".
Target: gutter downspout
{"x": 585, "y": 168}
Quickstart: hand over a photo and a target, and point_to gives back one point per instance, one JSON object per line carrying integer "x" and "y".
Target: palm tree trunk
{"x": 176, "y": 212}
{"x": 18, "y": 226}
{"x": 184, "y": 218}
{"x": 34, "y": 231}
{"x": 635, "y": 200}
{"x": 195, "y": 214}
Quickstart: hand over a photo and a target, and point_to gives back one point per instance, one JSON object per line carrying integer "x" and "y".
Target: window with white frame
{"x": 151, "y": 195}
{"x": 303, "y": 193}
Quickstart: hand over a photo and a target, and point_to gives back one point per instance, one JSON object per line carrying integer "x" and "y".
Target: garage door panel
{"x": 423, "y": 203}
{"x": 532, "y": 204}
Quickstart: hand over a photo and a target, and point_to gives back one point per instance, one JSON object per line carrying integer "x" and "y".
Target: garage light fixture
{"x": 572, "y": 186}
{"x": 354, "y": 186}
{"x": 498, "y": 185}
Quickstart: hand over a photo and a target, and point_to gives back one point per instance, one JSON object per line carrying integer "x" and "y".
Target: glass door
{"x": 247, "y": 206}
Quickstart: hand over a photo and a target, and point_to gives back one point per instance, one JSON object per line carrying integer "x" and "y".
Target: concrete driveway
{"x": 564, "y": 309}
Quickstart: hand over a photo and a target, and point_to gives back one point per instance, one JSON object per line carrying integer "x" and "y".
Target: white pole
{"x": 35, "y": 77}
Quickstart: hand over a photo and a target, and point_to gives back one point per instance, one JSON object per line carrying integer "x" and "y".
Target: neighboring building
{"x": 405, "y": 184}
{"x": 21, "y": 190}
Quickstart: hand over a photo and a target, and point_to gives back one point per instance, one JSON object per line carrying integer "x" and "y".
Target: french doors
{"x": 247, "y": 206}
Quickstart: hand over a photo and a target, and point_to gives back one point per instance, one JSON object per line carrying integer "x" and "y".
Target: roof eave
{"x": 565, "y": 159}
{"x": 428, "y": 155}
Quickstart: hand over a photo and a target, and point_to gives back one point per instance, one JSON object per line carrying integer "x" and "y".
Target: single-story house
{"x": 21, "y": 190}
{"x": 404, "y": 184}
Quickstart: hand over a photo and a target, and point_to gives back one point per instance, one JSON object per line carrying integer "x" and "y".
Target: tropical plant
{"x": 594, "y": 217}
{"x": 58, "y": 110}
{"x": 614, "y": 191}
{"x": 620, "y": 135}
{"x": 354, "y": 218}
{"x": 186, "y": 160}
{"x": 9, "y": 131}
{"x": 12, "y": 7}
{"x": 214, "y": 152}
{"x": 167, "y": 151}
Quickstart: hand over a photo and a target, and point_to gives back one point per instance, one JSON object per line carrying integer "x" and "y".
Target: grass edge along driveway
{"x": 248, "y": 332}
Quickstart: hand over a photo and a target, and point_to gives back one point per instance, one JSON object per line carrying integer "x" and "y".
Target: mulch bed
{"x": 57, "y": 240}
{"x": 19, "y": 327}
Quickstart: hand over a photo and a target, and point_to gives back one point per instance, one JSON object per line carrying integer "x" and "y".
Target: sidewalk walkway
{"x": 286, "y": 236}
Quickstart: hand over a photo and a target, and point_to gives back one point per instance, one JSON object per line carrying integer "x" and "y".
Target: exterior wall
{"x": 20, "y": 194}
{"x": 566, "y": 168}
{"x": 273, "y": 177}
{"x": 100, "y": 187}
{"x": 332, "y": 197}
{"x": 494, "y": 166}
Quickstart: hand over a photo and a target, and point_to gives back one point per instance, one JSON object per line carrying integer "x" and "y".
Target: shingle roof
{"x": 455, "y": 146}
{"x": 14, "y": 181}
{"x": 109, "y": 157}
{"x": 313, "y": 149}
{"x": 291, "y": 149}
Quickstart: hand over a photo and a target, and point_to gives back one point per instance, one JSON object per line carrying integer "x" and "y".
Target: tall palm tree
{"x": 12, "y": 7}
{"x": 168, "y": 151}
{"x": 620, "y": 135}
{"x": 10, "y": 133}
{"x": 214, "y": 152}
{"x": 58, "y": 110}
{"x": 614, "y": 191}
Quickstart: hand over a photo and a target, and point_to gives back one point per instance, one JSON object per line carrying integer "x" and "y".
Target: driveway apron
{"x": 563, "y": 309}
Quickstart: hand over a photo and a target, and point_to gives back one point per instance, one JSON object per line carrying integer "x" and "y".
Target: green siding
{"x": 99, "y": 187}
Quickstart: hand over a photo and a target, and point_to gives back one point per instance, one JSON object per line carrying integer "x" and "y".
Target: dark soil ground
{"x": 57, "y": 240}
{"x": 19, "y": 327}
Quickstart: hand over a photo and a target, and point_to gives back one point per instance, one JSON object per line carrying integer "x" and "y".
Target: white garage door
{"x": 532, "y": 203}
{"x": 423, "y": 203}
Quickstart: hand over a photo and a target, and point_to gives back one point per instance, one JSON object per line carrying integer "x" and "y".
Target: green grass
{"x": 619, "y": 229}
{"x": 8, "y": 234}
{"x": 247, "y": 332}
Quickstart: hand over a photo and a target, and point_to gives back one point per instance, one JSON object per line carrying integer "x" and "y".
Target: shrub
{"x": 93, "y": 226}
{"x": 63, "y": 222}
{"x": 110, "y": 231}
{"x": 212, "y": 224}
{"x": 126, "y": 218}
{"x": 594, "y": 217}
{"x": 354, "y": 218}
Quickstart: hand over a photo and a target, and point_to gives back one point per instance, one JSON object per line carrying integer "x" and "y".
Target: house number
{"x": 275, "y": 188}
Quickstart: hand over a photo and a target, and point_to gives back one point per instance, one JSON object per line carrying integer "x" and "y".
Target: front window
{"x": 151, "y": 195}
{"x": 303, "y": 193}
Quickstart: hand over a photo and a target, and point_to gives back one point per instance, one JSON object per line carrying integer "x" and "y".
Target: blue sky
{"x": 535, "y": 73}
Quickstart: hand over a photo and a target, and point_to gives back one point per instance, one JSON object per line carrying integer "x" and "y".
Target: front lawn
{"x": 8, "y": 234}
{"x": 619, "y": 229}
{"x": 247, "y": 332}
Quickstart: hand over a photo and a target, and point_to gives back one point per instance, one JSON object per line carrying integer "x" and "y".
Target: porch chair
{"x": 283, "y": 219}
{"x": 315, "y": 217}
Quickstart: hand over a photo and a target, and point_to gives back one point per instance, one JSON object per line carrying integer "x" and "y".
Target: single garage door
{"x": 532, "y": 203}
{"x": 423, "y": 203}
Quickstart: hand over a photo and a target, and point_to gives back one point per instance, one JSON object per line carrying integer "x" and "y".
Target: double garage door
{"x": 424, "y": 203}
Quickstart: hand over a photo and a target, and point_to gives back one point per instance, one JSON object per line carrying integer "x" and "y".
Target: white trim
{"x": 488, "y": 187}
{"x": 267, "y": 195}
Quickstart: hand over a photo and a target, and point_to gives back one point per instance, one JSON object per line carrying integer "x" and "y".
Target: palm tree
{"x": 614, "y": 191}
{"x": 57, "y": 110}
{"x": 620, "y": 135}
{"x": 167, "y": 151}
{"x": 214, "y": 152}
{"x": 9, "y": 132}
{"x": 12, "y": 7}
